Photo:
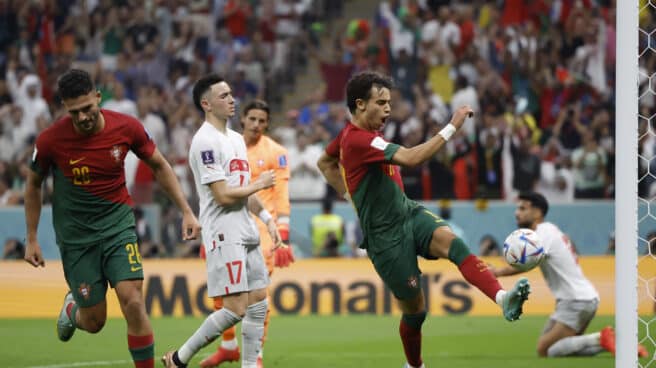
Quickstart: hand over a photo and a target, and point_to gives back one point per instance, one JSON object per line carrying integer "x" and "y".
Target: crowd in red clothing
{"x": 540, "y": 75}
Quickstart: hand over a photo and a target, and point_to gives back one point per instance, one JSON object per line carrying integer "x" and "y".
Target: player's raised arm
{"x": 168, "y": 180}
{"x": 329, "y": 166}
{"x": 228, "y": 196}
{"x": 421, "y": 153}
{"x": 33, "y": 254}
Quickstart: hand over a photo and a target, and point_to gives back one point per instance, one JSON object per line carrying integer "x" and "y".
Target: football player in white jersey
{"x": 235, "y": 266}
{"x": 576, "y": 297}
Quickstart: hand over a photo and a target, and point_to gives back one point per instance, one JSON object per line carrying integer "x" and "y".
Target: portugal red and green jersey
{"x": 90, "y": 201}
{"x": 374, "y": 184}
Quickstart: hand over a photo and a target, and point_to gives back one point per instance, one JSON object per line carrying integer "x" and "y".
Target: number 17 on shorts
{"x": 234, "y": 269}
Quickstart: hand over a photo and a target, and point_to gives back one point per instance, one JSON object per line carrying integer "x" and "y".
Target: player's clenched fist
{"x": 460, "y": 115}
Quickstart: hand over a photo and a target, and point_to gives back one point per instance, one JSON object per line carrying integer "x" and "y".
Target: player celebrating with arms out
{"x": 264, "y": 154}
{"x": 395, "y": 228}
{"x": 576, "y": 298}
{"x": 235, "y": 267}
{"x": 94, "y": 223}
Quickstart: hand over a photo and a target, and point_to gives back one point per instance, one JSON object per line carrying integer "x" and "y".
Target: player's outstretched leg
{"x": 514, "y": 299}
{"x": 228, "y": 349}
{"x": 66, "y": 320}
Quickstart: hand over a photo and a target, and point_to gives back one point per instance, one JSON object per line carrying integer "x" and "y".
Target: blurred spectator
{"x": 445, "y": 214}
{"x": 489, "y": 147}
{"x": 327, "y": 231}
{"x": 465, "y": 94}
{"x": 526, "y": 163}
{"x": 306, "y": 181}
{"x": 119, "y": 101}
{"x": 651, "y": 244}
{"x": 14, "y": 249}
{"x": 488, "y": 246}
{"x": 352, "y": 239}
{"x": 557, "y": 180}
{"x": 8, "y": 197}
{"x": 148, "y": 247}
{"x": 589, "y": 163}
{"x": 610, "y": 248}
{"x": 335, "y": 71}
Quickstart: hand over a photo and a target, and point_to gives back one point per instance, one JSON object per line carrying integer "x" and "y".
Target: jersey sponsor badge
{"x": 207, "y": 156}
{"x": 282, "y": 161}
{"x": 379, "y": 143}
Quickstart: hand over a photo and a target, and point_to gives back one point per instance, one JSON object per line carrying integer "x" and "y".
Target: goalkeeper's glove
{"x": 283, "y": 256}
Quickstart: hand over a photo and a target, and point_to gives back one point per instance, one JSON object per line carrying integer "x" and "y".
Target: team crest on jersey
{"x": 260, "y": 163}
{"x": 282, "y": 161}
{"x": 207, "y": 156}
{"x": 413, "y": 282}
{"x": 84, "y": 290}
{"x": 116, "y": 152}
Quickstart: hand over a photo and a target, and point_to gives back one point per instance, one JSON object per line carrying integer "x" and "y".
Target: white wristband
{"x": 447, "y": 131}
{"x": 265, "y": 216}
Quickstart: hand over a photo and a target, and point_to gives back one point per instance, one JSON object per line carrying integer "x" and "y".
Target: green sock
{"x": 458, "y": 251}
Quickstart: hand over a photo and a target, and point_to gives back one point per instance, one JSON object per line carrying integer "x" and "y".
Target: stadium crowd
{"x": 540, "y": 75}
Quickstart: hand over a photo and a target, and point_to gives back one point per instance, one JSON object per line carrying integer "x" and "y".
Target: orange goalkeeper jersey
{"x": 265, "y": 155}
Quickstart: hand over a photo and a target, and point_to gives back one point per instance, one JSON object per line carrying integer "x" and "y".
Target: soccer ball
{"x": 522, "y": 249}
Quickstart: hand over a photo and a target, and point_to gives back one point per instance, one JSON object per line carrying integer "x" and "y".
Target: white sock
{"x": 407, "y": 365}
{"x": 229, "y": 344}
{"x": 585, "y": 345}
{"x": 252, "y": 330}
{"x": 209, "y": 330}
{"x": 499, "y": 297}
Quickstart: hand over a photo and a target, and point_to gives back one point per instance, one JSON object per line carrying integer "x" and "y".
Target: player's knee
{"x": 542, "y": 349}
{"x": 133, "y": 306}
{"x": 441, "y": 242}
{"x": 94, "y": 325}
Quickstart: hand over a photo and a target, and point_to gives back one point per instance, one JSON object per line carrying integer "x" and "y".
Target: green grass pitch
{"x": 339, "y": 341}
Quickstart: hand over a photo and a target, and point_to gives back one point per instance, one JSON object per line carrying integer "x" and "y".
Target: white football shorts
{"x": 576, "y": 314}
{"x": 234, "y": 268}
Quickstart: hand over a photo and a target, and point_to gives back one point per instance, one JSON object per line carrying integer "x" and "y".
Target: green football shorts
{"x": 397, "y": 265}
{"x": 89, "y": 269}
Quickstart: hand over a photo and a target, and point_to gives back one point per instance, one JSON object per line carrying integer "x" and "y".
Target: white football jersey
{"x": 215, "y": 156}
{"x": 560, "y": 269}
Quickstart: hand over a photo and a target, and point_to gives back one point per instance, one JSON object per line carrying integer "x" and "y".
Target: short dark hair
{"x": 359, "y": 87}
{"x": 74, "y": 83}
{"x": 327, "y": 205}
{"x": 257, "y": 105}
{"x": 203, "y": 85}
{"x": 537, "y": 200}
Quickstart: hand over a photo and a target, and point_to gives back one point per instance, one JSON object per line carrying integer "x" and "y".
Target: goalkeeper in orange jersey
{"x": 263, "y": 154}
